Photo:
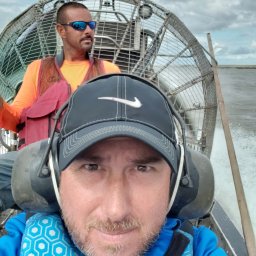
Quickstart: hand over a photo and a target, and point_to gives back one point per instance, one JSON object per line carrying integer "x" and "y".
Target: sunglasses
{"x": 81, "y": 25}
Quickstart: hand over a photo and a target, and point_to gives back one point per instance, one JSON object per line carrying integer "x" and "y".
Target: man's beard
{"x": 87, "y": 47}
{"x": 86, "y": 247}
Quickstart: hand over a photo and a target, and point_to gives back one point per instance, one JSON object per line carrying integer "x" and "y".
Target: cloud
{"x": 220, "y": 49}
{"x": 10, "y": 9}
{"x": 231, "y": 24}
{"x": 6, "y": 9}
{"x": 204, "y": 16}
{"x": 9, "y": 2}
{"x": 242, "y": 51}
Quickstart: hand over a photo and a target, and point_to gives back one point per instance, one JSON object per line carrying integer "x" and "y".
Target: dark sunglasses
{"x": 81, "y": 25}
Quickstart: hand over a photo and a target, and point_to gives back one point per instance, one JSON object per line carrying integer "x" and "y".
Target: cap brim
{"x": 82, "y": 139}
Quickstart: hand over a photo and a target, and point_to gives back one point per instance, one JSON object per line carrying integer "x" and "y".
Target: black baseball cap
{"x": 117, "y": 105}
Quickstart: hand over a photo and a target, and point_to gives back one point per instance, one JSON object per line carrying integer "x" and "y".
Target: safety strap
{"x": 59, "y": 58}
{"x": 179, "y": 242}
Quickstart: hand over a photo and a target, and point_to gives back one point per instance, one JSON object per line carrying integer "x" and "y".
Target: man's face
{"x": 114, "y": 197}
{"x": 75, "y": 40}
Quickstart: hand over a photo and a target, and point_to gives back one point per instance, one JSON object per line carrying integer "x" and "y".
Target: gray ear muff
{"x": 195, "y": 199}
{"x": 32, "y": 187}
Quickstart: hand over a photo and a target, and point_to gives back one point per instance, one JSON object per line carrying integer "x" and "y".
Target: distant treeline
{"x": 238, "y": 66}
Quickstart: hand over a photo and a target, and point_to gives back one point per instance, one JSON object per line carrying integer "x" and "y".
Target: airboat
{"x": 144, "y": 39}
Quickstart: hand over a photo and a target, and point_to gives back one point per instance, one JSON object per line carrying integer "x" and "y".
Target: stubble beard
{"x": 85, "y": 245}
{"x": 87, "y": 47}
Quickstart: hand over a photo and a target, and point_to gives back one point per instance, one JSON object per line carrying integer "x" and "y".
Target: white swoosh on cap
{"x": 135, "y": 104}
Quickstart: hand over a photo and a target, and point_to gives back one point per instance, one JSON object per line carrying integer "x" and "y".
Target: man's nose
{"x": 88, "y": 29}
{"x": 117, "y": 200}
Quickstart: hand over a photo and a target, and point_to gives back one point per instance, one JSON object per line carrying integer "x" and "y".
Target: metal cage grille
{"x": 143, "y": 39}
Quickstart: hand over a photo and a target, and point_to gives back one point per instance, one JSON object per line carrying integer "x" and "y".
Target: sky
{"x": 231, "y": 24}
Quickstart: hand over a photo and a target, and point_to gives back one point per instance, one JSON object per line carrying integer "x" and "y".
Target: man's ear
{"x": 61, "y": 30}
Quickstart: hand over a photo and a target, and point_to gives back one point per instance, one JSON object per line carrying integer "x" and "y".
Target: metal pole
{"x": 244, "y": 213}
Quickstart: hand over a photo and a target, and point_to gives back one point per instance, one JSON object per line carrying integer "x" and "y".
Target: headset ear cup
{"x": 32, "y": 187}
{"x": 195, "y": 199}
{"x": 54, "y": 152}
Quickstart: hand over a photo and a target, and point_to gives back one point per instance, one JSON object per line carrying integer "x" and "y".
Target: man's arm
{"x": 10, "y": 113}
{"x": 11, "y": 242}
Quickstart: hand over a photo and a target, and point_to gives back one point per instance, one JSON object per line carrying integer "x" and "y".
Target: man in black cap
{"x": 116, "y": 168}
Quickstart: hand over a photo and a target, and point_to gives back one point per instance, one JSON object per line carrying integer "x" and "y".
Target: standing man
{"x": 48, "y": 83}
{"x": 117, "y": 172}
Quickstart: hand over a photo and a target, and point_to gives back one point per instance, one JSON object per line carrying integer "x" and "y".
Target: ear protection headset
{"x": 35, "y": 177}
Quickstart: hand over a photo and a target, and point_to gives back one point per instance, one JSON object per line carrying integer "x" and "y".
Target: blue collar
{"x": 162, "y": 242}
{"x": 58, "y": 238}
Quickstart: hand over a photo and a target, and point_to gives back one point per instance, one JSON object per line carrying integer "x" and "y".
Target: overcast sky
{"x": 232, "y": 24}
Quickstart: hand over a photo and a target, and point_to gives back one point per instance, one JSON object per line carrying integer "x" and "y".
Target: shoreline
{"x": 238, "y": 66}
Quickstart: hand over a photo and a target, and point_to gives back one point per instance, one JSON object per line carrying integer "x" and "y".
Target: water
{"x": 239, "y": 92}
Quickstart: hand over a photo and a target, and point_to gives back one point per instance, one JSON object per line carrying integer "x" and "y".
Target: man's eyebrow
{"x": 148, "y": 159}
{"x": 88, "y": 157}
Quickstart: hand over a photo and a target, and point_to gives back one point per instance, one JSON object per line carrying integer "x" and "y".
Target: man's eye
{"x": 142, "y": 168}
{"x": 91, "y": 167}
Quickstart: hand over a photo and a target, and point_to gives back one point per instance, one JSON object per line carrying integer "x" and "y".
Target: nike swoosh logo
{"x": 135, "y": 104}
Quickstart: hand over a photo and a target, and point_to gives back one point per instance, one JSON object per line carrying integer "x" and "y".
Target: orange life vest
{"x": 36, "y": 121}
